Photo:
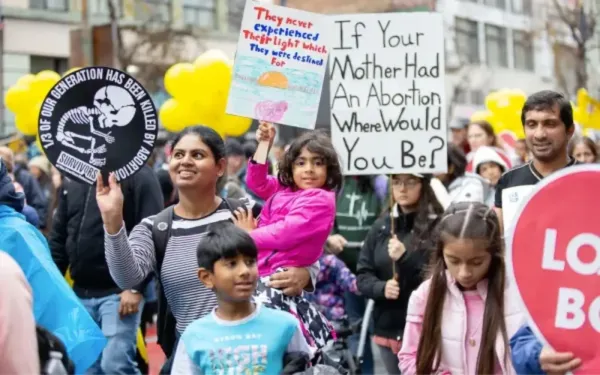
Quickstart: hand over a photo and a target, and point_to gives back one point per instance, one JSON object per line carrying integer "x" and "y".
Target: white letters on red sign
{"x": 549, "y": 261}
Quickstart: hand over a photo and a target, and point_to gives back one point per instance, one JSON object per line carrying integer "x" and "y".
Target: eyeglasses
{"x": 409, "y": 184}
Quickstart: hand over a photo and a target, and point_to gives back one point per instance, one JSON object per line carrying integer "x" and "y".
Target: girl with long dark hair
{"x": 460, "y": 320}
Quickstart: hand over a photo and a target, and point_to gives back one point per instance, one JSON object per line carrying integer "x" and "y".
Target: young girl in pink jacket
{"x": 295, "y": 220}
{"x": 461, "y": 319}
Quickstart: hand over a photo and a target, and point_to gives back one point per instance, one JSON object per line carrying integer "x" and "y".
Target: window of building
{"x": 523, "y": 50}
{"x": 496, "y": 46}
{"x": 467, "y": 43}
{"x": 153, "y": 10}
{"x": 522, "y": 7}
{"x": 54, "y": 5}
{"x": 57, "y": 64}
{"x": 500, "y": 4}
{"x": 100, "y": 7}
{"x": 236, "y": 11}
{"x": 200, "y": 13}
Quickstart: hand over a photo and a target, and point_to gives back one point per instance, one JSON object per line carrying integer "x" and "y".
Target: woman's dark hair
{"x": 211, "y": 139}
{"x": 224, "y": 240}
{"x": 477, "y": 222}
{"x": 586, "y": 141}
{"x": 317, "y": 142}
{"x": 488, "y": 130}
{"x": 427, "y": 207}
{"x": 249, "y": 148}
{"x": 457, "y": 164}
{"x": 547, "y": 100}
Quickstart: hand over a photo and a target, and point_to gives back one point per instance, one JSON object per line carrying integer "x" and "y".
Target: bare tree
{"x": 460, "y": 64}
{"x": 570, "y": 30}
{"x": 151, "y": 42}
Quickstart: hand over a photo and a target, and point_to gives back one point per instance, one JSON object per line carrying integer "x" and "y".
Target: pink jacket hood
{"x": 293, "y": 225}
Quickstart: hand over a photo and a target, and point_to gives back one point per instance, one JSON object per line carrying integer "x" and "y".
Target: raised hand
{"x": 244, "y": 220}
{"x": 110, "y": 203}
{"x": 265, "y": 132}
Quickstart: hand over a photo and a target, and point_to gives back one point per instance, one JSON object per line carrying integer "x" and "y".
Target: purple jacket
{"x": 293, "y": 225}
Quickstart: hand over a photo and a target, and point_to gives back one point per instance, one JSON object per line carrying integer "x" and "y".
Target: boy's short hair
{"x": 224, "y": 240}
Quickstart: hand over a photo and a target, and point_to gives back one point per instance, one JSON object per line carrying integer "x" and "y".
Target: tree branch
{"x": 155, "y": 39}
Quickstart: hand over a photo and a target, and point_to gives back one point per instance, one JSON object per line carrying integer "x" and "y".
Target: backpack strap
{"x": 161, "y": 232}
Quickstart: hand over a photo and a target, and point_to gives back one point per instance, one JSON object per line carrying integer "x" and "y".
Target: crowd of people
{"x": 247, "y": 264}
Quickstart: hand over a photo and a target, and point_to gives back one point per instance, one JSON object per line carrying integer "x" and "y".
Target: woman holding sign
{"x": 401, "y": 234}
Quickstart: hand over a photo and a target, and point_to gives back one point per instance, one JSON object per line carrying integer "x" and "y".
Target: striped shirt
{"x": 131, "y": 260}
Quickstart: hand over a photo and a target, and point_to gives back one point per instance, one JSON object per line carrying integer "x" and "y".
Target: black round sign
{"x": 98, "y": 119}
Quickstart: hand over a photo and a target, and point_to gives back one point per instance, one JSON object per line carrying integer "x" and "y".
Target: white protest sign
{"x": 387, "y": 93}
{"x": 280, "y": 65}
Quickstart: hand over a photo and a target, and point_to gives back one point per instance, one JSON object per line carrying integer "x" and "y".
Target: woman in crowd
{"x": 481, "y": 134}
{"x": 403, "y": 234}
{"x": 583, "y": 149}
{"x": 196, "y": 163}
{"x": 42, "y": 170}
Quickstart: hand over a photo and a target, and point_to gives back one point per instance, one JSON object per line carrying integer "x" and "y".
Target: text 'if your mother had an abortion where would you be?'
{"x": 387, "y": 94}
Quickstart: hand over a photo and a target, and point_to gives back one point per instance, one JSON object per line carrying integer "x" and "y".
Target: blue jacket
{"x": 55, "y": 306}
{"x": 525, "y": 352}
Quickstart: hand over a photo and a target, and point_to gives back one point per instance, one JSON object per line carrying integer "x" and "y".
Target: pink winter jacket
{"x": 293, "y": 225}
{"x": 454, "y": 329}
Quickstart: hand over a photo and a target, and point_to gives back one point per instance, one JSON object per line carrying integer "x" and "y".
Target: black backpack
{"x": 161, "y": 232}
{"x": 48, "y": 343}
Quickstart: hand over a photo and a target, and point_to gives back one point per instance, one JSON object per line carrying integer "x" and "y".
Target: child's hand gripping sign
{"x": 554, "y": 256}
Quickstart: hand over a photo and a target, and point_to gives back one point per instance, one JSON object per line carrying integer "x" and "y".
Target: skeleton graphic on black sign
{"x": 113, "y": 106}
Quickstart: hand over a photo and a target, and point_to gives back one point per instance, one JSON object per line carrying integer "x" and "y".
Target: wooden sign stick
{"x": 392, "y": 222}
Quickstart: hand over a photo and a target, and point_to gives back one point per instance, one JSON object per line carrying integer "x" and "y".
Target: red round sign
{"x": 554, "y": 254}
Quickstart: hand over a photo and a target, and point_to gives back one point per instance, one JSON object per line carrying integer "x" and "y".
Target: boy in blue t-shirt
{"x": 239, "y": 336}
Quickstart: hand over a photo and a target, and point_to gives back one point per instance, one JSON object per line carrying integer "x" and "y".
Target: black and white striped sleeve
{"x": 130, "y": 260}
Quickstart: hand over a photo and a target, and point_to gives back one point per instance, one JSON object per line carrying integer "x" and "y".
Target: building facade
{"x": 490, "y": 44}
{"x": 37, "y": 32}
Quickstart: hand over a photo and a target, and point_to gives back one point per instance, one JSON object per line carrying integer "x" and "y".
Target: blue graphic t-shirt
{"x": 253, "y": 345}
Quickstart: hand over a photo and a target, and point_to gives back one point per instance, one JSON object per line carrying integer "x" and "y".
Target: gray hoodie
{"x": 471, "y": 188}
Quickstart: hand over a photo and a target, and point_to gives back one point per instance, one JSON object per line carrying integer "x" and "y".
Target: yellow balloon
{"x": 27, "y": 120}
{"x": 213, "y": 69}
{"x": 235, "y": 126}
{"x": 16, "y": 98}
{"x": 481, "y": 116}
{"x": 517, "y": 99}
{"x": 210, "y": 56}
{"x": 26, "y": 80}
{"x": 215, "y": 76}
{"x": 72, "y": 70}
{"x": 582, "y": 97}
{"x": 594, "y": 120}
{"x": 179, "y": 81}
{"x": 176, "y": 115}
{"x": 491, "y": 101}
{"x": 42, "y": 84}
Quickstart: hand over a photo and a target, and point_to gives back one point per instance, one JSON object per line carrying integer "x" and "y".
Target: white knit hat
{"x": 487, "y": 154}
